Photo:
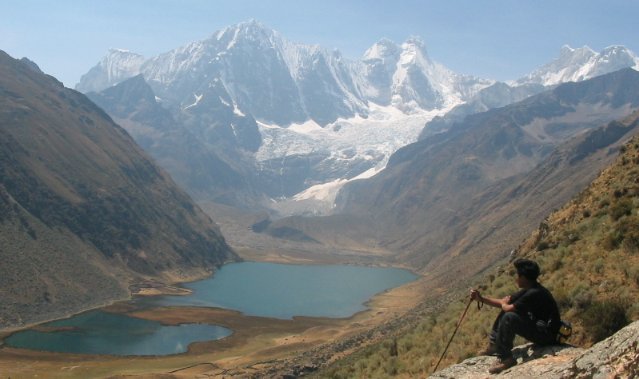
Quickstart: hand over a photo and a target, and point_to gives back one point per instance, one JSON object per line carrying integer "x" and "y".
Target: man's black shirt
{"x": 537, "y": 304}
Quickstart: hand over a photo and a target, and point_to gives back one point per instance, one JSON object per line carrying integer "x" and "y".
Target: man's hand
{"x": 503, "y": 303}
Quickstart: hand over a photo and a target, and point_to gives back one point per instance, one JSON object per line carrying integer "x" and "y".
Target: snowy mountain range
{"x": 281, "y": 82}
{"x": 323, "y": 119}
{"x": 575, "y": 65}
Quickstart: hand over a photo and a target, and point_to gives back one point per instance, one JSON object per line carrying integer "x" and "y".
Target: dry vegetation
{"x": 589, "y": 254}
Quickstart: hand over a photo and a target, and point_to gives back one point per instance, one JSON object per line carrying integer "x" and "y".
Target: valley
{"x": 256, "y": 345}
{"x": 253, "y": 161}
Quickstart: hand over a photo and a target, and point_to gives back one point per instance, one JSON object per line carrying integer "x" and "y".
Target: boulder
{"x": 614, "y": 357}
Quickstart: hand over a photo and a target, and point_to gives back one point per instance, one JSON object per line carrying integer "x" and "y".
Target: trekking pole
{"x": 451, "y": 337}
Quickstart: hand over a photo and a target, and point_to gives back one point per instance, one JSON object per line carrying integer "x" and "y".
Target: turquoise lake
{"x": 256, "y": 289}
{"x": 98, "y": 332}
{"x": 283, "y": 291}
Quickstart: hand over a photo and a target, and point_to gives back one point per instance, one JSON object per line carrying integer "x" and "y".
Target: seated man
{"x": 531, "y": 313}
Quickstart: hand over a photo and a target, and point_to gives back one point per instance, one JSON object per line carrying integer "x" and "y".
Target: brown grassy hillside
{"x": 589, "y": 254}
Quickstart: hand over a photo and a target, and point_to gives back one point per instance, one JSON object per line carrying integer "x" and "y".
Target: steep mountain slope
{"x": 510, "y": 208}
{"x": 587, "y": 251}
{"x": 84, "y": 211}
{"x": 203, "y": 155}
{"x": 496, "y": 96}
{"x": 428, "y": 187}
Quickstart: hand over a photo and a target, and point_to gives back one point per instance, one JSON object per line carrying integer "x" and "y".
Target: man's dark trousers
{"x": 509, "y": 324}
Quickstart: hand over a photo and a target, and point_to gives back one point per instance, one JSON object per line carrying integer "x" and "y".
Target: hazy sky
{"x": 498, "y": 39}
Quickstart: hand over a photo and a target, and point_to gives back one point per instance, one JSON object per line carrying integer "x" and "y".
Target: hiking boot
{"x": 491, "y": 349}
{"x": 504, "y": 364}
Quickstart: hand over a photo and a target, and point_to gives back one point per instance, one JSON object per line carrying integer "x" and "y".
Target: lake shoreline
{"x": 254, "y": 339}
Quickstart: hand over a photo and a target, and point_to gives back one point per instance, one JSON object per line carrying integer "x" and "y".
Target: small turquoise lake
{"x": 253, "y": 288}
{"x": 98, "y": 332}
{"x": 284, "y": 291}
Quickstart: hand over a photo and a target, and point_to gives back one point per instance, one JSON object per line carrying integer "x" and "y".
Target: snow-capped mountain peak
{"x": 382, "y": 50}
{"x": 614, "y": 58}
{"x": 416, "y": 45}
{"x": 116, "y": 66}
{"x": 568, "y": 54}
{"x": 577, "y": 64}
{"x": 421, "y": 83}
{"x": 282, "y": 82}
{"x": 250, "y": 31}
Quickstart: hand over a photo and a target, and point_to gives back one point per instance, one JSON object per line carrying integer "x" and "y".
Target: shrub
{"x": 603, "y": 319}
{"x": 581, "y": 296}
{"x": 569, "y": 237}
{"x": 621, "y": 208}
{"x": 543, "y": 245}
{"x": 629, "y": 228}
{"x": 562, "y": 298}
{"x": 632, "y": 273}
{"x": 599, "y": 266}
{"x": 612, "y": 240}
{"x": 631, "y": 242}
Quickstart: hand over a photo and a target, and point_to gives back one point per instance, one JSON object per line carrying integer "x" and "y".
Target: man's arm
{"x": 503, "y": 303}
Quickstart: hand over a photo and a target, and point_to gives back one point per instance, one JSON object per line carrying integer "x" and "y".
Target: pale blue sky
{"x": 498, "y": 39}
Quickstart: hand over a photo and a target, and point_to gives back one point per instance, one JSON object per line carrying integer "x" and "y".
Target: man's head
{"x": 527, "y": 268}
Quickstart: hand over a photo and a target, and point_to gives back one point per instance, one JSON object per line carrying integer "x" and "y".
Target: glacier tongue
{"x": 385, "y": 130}
{"x": 346, "y": 142}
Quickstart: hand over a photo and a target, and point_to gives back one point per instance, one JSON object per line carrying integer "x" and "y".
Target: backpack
{"x": 565, "y": 331}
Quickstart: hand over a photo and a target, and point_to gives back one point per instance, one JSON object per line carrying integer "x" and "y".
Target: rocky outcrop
{"x": 615, "y": 357}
